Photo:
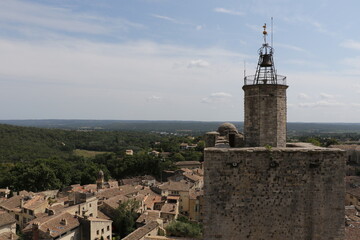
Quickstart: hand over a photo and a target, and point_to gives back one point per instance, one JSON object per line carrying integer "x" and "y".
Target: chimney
{"x": 63, "y": 221}
{"x": 35, "y": 231}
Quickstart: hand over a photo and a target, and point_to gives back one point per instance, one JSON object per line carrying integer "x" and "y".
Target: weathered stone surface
{"x": 265, "y": 115}
{"x": 282, "y": 193}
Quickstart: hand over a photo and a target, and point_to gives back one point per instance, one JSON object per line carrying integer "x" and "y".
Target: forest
{"x": 36, "y": 159}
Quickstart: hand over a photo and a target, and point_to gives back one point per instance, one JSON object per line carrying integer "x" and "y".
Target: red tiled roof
{"x": 150, "y": 215}
{"x": 176, "y": 186}
{"x": 8, "y": 236}
{"x": 142, "y": 231}
{"x": 6, "y": 219}
{"x": 169, "y": 208}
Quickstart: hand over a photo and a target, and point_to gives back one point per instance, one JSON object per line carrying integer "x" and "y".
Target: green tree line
{"x": 36, "y": 159}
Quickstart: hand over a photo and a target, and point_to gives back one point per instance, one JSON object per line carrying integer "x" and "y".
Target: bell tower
{"x": 252, "y": 192}
{"x": 265, "y": 102}
{"x": 100, "y": 180}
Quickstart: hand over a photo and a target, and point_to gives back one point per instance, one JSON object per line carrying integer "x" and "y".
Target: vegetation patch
{"x": 87, "y": 153}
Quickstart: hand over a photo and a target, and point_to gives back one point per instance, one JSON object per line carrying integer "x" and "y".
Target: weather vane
{"x": 264, "y": 32}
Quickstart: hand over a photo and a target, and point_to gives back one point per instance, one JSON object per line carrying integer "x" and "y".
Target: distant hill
{"x": 25, "y": 143}
{"x": 195, "y": 127}
{"x": 123, "y": 125}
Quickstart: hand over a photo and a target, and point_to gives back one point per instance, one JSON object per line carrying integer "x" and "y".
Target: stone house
{"x": 7, "y": 226}
{"x": 194, "y": 176}
{"x": 32, "y": 206}
{"x": 4, "y": 192}
{"x": 352, "y": 223}
{"x": 148, "y": 216}
{"x": 24, "y": 207}
{"x": 169, "y": 212}
{"x": 96, "y": 228}
{"x": 63, "y": 226}
{"x": 81, "y": 204}
{"x": 188, "y": 164}
{"x": 196, "y": 205}
{"x": 353, "y": 157}
{"x": 352, "y": 196}
{"x": 179, "y": 189}
{"x": 150, "y": 229}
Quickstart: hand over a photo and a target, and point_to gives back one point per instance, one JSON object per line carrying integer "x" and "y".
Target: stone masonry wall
{"x": 265, "y": 115}
{"x": 282, "y": 193}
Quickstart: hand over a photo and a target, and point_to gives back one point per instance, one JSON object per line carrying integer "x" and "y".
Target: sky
{"x": 174, "y": 59}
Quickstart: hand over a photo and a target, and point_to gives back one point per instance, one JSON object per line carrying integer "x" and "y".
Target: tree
{"x": 125, "y": 216}
{"x": 182, "y": 228}
{"x": 178, "y": 157}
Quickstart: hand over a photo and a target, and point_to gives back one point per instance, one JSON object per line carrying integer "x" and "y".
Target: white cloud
{"x": 350, "y": 44}
{"x": 322, "y": 103}
{"x": 291, "y": 47}
{"x": 33, "y": 16}
{"x": 255, "y": 28}
{"x": 326, "y": 96}
{"x": 154, "y": 98}
{"x": 166, "y": 18}
{"x": 306, "y": 63}
{"x": 218, "y": 97}
{"x": 290, "y": 105}
{"x": 303, "y": 96}
{"x": 228, "y": 11}
{"x": 72, "y": 74}
{"x": 198, "y": 63}
{"x": 310, "y": 21}
{"x": 173, "y": 20}
{"x": 353, "y": 62}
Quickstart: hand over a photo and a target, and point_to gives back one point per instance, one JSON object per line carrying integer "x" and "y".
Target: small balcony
{"x": 277, "y": 80}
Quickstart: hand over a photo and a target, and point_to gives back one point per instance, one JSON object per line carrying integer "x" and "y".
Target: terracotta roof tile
{"x": 108, "y": 193}
{"x": 6, "y": 219}
{"x": 142, "y": 231}
{"x": 169, "y": 208}
{"x": 8, "y": 236}
{"x": 35, "y": 202}
{"x": 176, "y": 186}
{"x": 55, "y": 225}
{"x": 11, "y": 203}
{"x": 115, "y": 201}
{"x": 193, "y": 194}
{"x": 148, "y": 216}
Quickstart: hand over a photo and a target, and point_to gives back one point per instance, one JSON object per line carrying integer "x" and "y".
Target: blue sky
{"x": 174, "y": 60}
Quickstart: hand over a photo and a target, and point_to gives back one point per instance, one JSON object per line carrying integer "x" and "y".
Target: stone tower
{"x": 265, "y": 102}
{"x": 100, "y": 180}
{"x": 258, "y": 187}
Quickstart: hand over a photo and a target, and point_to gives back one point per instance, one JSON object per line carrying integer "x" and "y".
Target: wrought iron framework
{"x": 265, "y": 71}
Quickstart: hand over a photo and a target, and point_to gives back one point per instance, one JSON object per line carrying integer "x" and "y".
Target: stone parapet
{"x": 274, "y": 193}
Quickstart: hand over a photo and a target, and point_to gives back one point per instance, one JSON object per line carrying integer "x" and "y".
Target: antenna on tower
{"x": 272, "y": 24}
{"x": 244, "y": 68}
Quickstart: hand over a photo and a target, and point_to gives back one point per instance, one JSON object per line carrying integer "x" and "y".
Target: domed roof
{"x": 227, "y": 128}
